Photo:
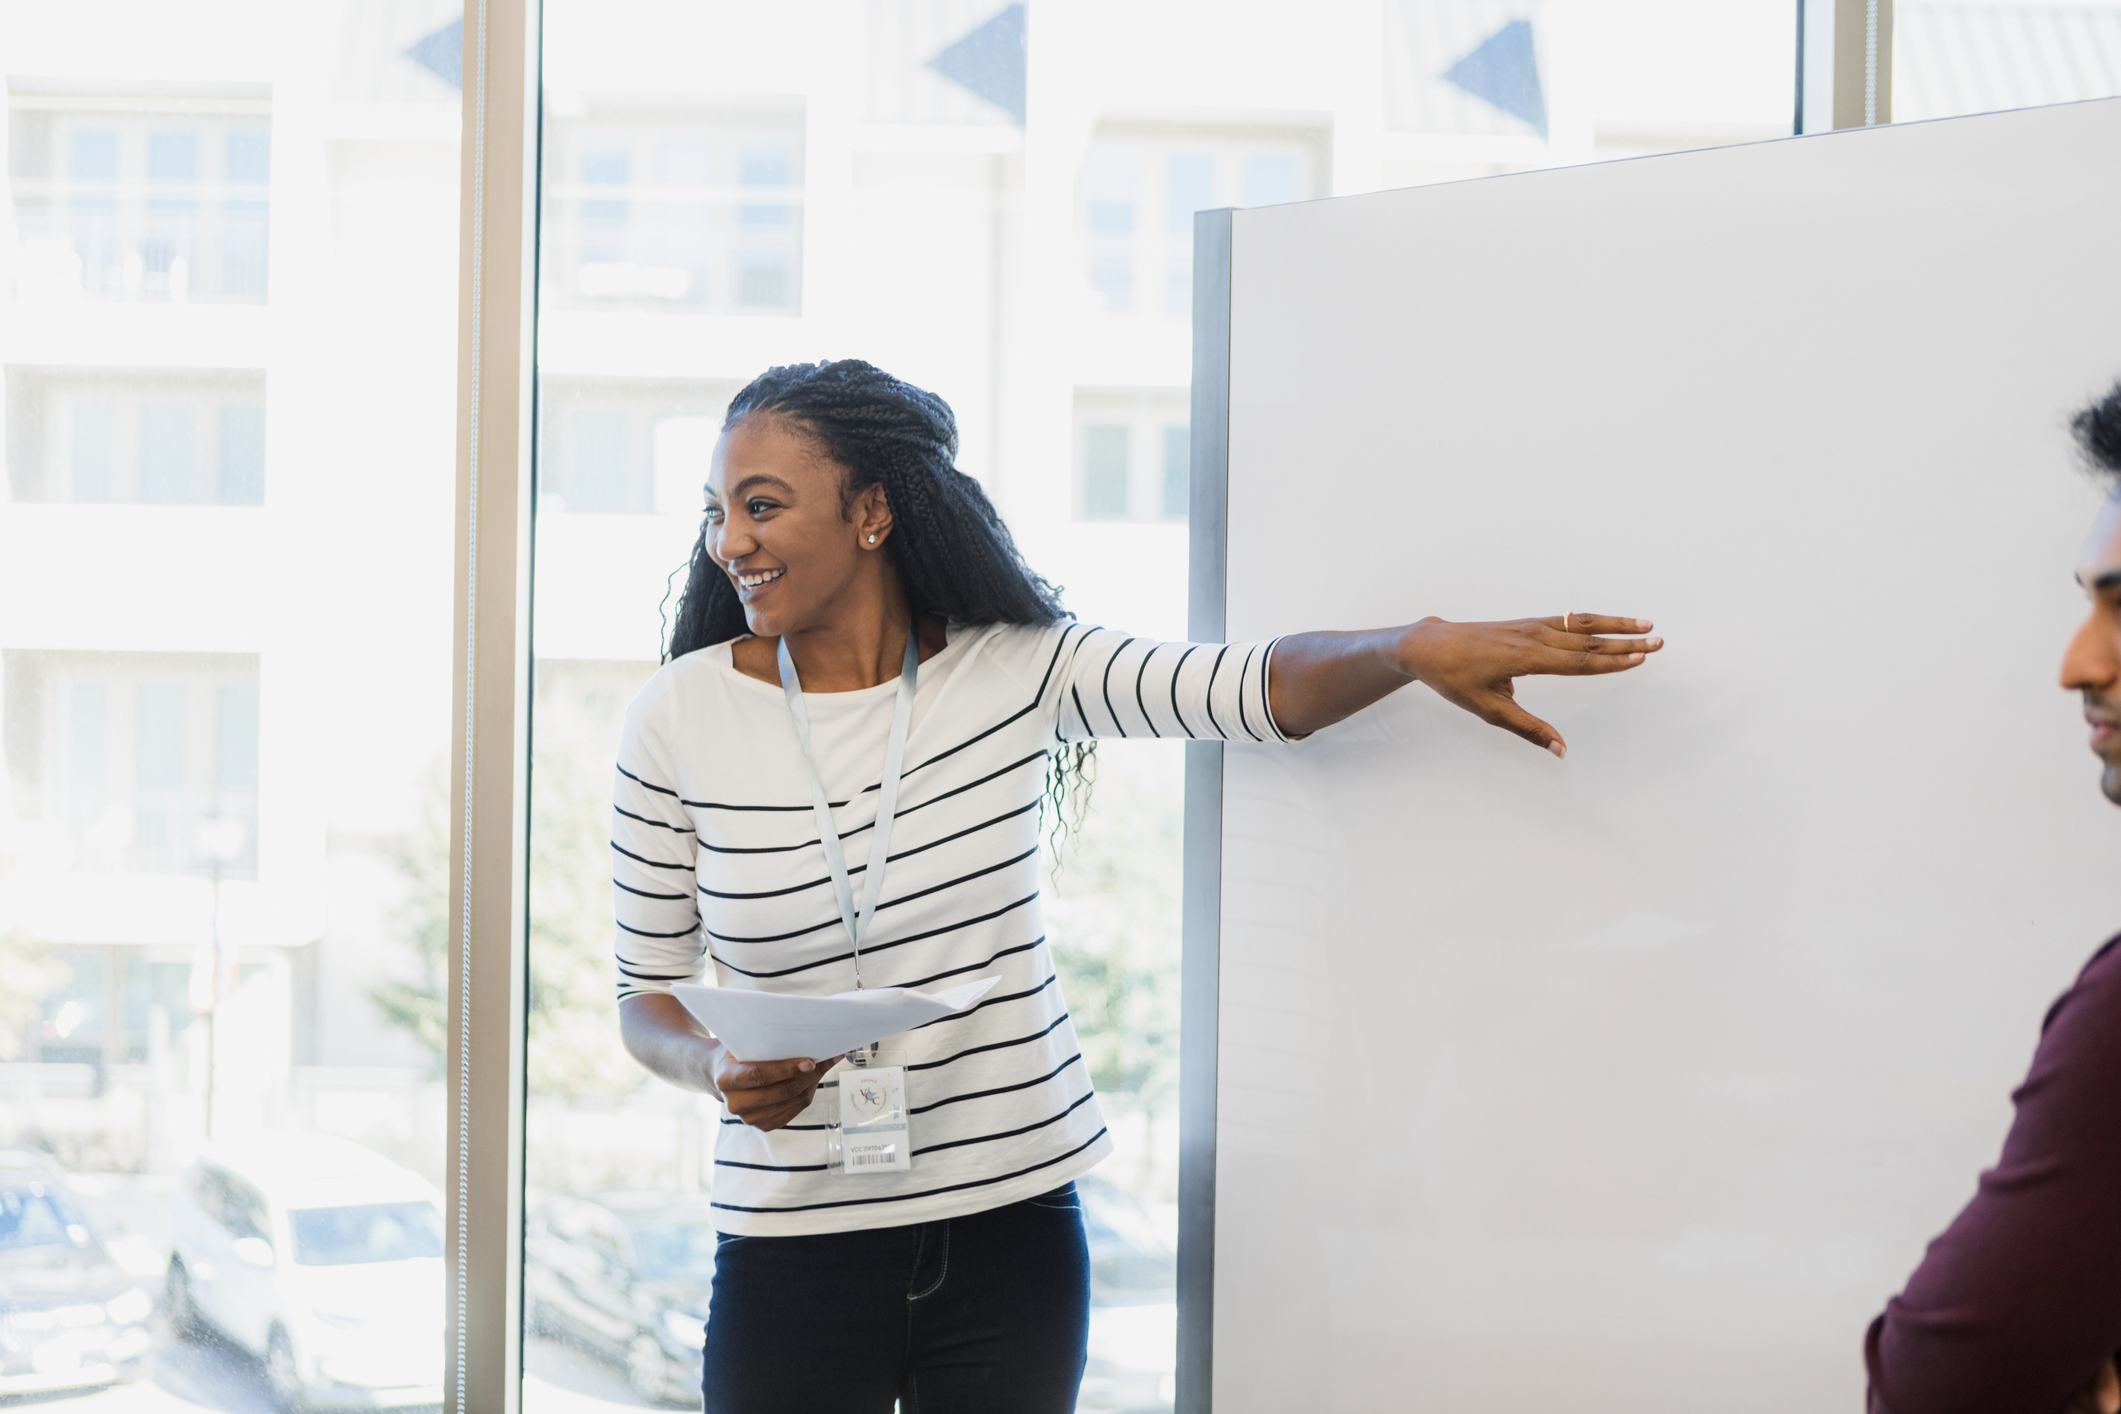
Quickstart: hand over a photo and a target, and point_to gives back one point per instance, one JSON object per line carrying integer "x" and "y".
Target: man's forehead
{"x": 2101, "y": 557}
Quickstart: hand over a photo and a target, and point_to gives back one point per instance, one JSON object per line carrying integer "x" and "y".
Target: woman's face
{"x": 774, "y": 527}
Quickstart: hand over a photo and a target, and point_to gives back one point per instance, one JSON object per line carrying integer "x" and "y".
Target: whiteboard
{"x": 1637, "y": 1082}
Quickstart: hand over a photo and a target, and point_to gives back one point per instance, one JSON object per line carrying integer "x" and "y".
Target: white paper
{"x": 764, "y": 1026}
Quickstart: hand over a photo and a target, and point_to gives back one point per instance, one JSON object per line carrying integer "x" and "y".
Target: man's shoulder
{"x": 2090, "y": 1011}
{"x": 2105, "y": 964}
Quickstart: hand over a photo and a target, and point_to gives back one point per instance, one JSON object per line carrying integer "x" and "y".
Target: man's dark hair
{"x": 2098, "y": 430}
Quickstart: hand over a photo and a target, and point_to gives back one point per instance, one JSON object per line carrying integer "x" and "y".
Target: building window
{"x": 627, "y": 447}
{"x": 136, "y": 204}
{"x": 135, "y": 762}
{"x": 136, "y": 439}
{"x": 1132, "y": 456}
{"x": 1104, "y": 483}
{"x": 1111, "y": 195}
{"x": 705, "y": 216}
{"x": 1139, "y": 194}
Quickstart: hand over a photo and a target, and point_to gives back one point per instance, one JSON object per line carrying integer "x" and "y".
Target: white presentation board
{"x": 1637, "y": 1082}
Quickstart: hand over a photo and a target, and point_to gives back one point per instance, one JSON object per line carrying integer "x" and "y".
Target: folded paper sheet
{"x": 762, "y": 1026}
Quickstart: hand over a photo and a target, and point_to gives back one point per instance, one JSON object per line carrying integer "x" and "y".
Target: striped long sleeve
{"x": 1113, "y": 684}
{"x": 654, "y": 854}
{"x": 718, "y": 873}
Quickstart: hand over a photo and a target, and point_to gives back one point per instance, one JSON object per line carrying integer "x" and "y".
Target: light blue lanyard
{"x": 887, "y": 804}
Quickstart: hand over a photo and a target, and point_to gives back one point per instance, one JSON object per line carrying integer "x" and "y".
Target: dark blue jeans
{"x": 982, "y": 1313}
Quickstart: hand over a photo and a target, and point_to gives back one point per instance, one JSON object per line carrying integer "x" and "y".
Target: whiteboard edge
{"x": 1200, "y": 982}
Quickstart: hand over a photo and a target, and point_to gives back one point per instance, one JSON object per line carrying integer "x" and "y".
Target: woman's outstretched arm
{"x": 1315, "y": 679}
{"x": 1100, "y": 682}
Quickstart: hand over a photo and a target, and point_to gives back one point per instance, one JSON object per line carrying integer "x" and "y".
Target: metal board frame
{"x": 1200, "y": 981}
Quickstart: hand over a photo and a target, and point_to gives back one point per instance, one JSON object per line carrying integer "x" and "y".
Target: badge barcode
{"x": 881, "y": 1158}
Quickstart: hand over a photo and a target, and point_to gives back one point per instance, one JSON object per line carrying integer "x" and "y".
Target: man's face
{"x": 2093, "y": 664}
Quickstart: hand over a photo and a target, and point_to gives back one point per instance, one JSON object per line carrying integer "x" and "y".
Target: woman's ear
{"x": 872, "y": 519}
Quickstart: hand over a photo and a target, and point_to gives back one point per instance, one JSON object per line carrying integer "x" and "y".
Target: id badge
{"x": 873, "y": 1120}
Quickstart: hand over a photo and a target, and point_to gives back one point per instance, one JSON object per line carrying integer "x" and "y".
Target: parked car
{"x": 70, "y": 1317}
{"x": 321, "y": 1258}
{"x": 1133, "y": 1305}
{"x": 626, "y": 1277}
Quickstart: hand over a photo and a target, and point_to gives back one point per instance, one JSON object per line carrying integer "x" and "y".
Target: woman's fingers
{"x": 775, "y": 1111}
{"x": 778, "y": 1116}
{"x": 1575, "y": 662}
{"x": 1576, "y": 651}
{"x": 1584, "y": 643}
{"x": 758, "y": 1097}
{"x": 1504, "y": 712}
{"x": 1597, "y": 623}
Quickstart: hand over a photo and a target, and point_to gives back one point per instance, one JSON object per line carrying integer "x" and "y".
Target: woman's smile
{"x": 749, "y": 587}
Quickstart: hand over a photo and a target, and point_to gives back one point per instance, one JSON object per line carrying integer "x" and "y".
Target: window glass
{"x": 224, "y": 717}
{"x": 90, "y": 450}
{"x": 241, "y": 481}
{"x": 1105, "y": 490}
{"x": 29, "y": 1218}
{"x": 683, "y": 211}
{"x": 127, "y": 437}
{"x": 1189, "y": 187}
{"x": 1976, "y": 56}
{"x": 365, "y": 1232}
{"x": 168, "y": 448}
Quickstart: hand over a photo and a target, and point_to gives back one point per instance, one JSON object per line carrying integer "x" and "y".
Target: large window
{"x": 227, "y": 376}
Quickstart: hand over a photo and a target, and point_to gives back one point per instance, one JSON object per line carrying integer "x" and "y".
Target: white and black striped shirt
{"x": 716, "y": 857}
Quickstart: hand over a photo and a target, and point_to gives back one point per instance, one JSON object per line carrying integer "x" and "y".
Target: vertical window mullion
{"x": 489, "y": 832}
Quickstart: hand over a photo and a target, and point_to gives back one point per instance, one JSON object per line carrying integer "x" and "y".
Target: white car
{"x": 322, "y": 1258}
{"x": 69, "y": 1316}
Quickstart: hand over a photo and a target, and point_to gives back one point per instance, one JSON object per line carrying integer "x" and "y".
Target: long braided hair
{"x": 953, "y": 554}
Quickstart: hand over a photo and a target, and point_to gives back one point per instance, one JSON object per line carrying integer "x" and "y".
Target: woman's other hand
{"x": 765, "y": 1094}
{"x": 1472, "y": 665}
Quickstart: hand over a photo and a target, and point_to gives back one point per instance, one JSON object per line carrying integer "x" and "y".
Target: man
{"x": 2016, "y": 1308}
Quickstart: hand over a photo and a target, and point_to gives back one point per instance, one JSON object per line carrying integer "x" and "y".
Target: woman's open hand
{"x": 1472, "y": 665}
{"x": 765, "y": 1094}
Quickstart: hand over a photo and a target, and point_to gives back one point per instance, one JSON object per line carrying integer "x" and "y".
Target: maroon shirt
{"x": 2019, "y": 1301}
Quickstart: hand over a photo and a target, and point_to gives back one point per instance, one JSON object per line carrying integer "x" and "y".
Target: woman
{"x": 862, "y": 654}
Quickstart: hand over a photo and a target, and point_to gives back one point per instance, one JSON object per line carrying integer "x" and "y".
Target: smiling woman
{"x": 850, "y": 475}
{"x": 854, "y": 599}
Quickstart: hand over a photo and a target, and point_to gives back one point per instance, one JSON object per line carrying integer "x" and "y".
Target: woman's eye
{"x": 755, "y": 507}
{"x": 712, "y": 512}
